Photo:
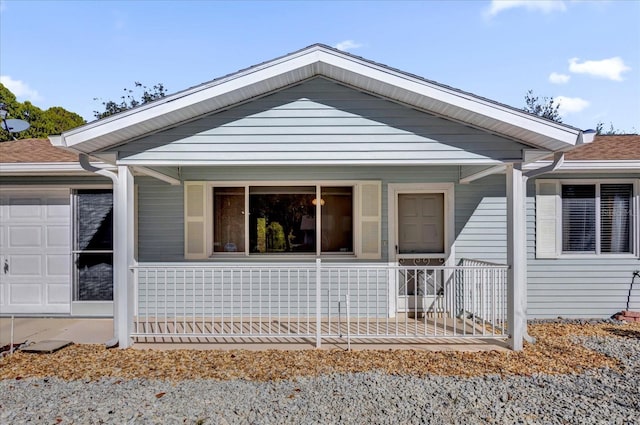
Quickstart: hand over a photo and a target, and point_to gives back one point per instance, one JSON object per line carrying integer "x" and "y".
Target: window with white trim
{"x": 596, "y": 218}
{"x": 331, "y": 218}
{"x": 585, "y": 218}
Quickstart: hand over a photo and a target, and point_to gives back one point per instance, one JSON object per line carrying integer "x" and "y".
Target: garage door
{"x": 35, "y": 252}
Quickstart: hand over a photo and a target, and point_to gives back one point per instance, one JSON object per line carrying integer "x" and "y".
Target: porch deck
{"x": 318, "y": 303}
{"x": 421, "y": 330}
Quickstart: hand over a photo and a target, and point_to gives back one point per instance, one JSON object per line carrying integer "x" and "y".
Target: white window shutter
{"x": 547, "y": 217}
{"x": 194, "y": 220}
{"x": 369, "y": 238}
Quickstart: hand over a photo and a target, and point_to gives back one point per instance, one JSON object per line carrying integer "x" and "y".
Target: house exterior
{"x": 322, "y": 195}
{"x": 583, "y": 232}
{"x": 55, "y": 233}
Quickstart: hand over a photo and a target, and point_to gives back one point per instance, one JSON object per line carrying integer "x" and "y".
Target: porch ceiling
{"x": 321, "y": 60}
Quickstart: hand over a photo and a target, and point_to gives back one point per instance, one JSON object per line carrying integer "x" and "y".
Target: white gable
{"x": 320, "y": 122}
{"x": 319, "y": 60}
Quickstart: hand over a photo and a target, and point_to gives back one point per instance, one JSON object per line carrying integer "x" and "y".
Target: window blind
{"x": 578, "y": 218}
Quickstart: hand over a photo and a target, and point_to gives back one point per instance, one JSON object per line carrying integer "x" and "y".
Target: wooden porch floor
{"x": 398, "y": 330}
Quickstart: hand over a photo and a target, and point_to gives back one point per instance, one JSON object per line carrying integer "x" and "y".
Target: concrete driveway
{"x": 80, "y": 331}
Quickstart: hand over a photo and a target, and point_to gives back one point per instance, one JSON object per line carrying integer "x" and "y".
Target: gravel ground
{"x": 606, "y": 393}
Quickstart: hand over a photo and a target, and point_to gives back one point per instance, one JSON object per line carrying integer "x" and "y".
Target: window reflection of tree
{"x": 95, "y": 233}
{"x": 282, "y": 216}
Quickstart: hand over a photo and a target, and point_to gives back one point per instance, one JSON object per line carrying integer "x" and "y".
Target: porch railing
{"x": 318, "y": 301}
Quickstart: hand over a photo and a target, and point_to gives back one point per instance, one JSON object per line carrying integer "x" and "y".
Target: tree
{"x": 546, "y": 108}
{"x": 612, "y": 130}
{"x": 128, "y": 100}
{"x": 42, "y": 123}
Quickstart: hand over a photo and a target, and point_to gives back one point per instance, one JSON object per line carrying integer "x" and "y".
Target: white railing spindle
{"x": 189, "y": 300}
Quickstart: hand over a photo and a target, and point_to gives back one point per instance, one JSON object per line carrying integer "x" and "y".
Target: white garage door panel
{"x": 23, "y": 208}
{"x": 58, "y": 294}
{"x": 24, "y": 236}
{"x": 57, "y": 237}
{"x": 57, "y": 208}
{"x": 58, "y": 265}
{"x": 25, "y": 265}
{"x": 35, "y": 240}
{"x": 26, "y": 293}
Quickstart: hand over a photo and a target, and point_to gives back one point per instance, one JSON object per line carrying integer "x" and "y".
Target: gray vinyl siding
{"x": 160, "y": 220}
{"x": 160, "y": 206}
{"x": 574, "y": 288}
{"x": 320, "y": 120}
{"x": 478, "y": 218}
{"x": 481, "y": 220}
{"x": 578, "y": 288}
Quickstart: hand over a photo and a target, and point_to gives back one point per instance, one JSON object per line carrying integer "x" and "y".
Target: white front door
{"x": 420, "y": 229}
{"x": 35, "y": 252}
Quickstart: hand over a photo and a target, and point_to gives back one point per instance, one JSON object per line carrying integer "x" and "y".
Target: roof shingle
{"x": 608, "y": 147}
{"x": 604, "y": 147}
{"x": 33, "y": 151}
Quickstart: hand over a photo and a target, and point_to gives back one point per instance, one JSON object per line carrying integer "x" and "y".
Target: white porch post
{"x": 123, "y": 256}
{"x": 516, "y": 243}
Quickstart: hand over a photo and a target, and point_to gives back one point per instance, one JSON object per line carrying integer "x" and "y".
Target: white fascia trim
{"x": 178, "y": 98}
{"x": 175, "y": 163}
{"x": 171, "y": 104}
{"x": 56, "y": 141}
{"x": 293, "y": 64}
{"x": 454, "y": 98}
{"x": 47, "y": 168}
{"x": 611, "y": 166}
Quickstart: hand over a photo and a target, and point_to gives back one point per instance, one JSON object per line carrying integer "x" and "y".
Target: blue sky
{"x": 584, "y": 54}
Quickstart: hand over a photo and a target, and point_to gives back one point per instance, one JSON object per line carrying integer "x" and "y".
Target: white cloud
{"x": 546, "y": 6}
{"x": 20, "y": 89}
{"x": 557, "y": 78}
{"x": 347, "y": 45}
{"x": 570, "y": 105}
{"x": 611, "y": 68}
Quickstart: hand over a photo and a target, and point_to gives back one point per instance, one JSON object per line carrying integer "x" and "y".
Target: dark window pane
{"x": 337, "y": 219}
{"x": 615, "y": 218}
{"x": 228, "y": 219}
{"x": 578, "y": 218}
{"x": 94, "y": 277}
{"x": 95, "y": 220}
{"x": 282, "y": 219}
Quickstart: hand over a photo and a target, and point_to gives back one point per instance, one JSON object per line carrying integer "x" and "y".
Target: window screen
{"x": 93, "y": 251}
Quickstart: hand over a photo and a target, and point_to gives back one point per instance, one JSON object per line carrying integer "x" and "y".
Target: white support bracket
{"x": 484, "y": 173}
{"x": 157, "y": 175}
{"x": 558, "y": 160}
